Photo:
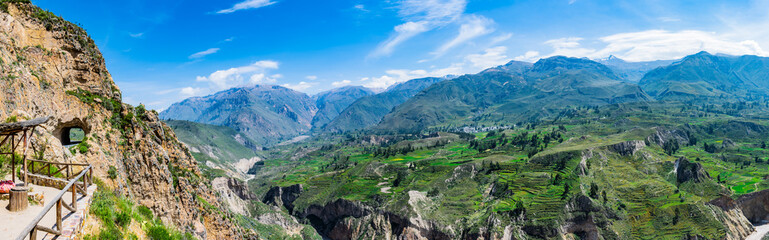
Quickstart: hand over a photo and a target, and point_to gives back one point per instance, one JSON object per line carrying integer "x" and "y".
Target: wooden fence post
{"x": 58, "y": 215}
{"x": 74, "y": 197}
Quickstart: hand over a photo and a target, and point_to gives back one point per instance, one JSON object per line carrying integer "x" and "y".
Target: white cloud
{"x": 661, "y": 44}
{"x": 301, "y": 86}
{"x": 361, "y": 7}
{"x": 530, "y": 56}
{"x": 395, "y": 76}
{"x": 420, "y": 16}
{"x": 656, "y": 45}
{"x": 136, "y": 35}
{"x": 311, "y": 77}
{"x": 248, "y": 4}
{"x": 203, "y": 53}
{"x": 190, "y": 91}
{"x": 490, "y": 58}
{"x": 473, "y": 27}
{"x": 568, "y": 47}
{"x": 228, "y": 78}
{"x": 341, "y": 83}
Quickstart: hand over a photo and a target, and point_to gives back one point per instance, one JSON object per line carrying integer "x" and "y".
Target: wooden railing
{"x": 86, "y": 175}
{"x": 50, "y": 170}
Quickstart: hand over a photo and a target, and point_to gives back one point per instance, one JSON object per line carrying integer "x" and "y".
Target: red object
{"x": 5, "y": 186}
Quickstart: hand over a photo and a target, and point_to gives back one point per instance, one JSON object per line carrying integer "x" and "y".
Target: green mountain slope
{"x": 222, "y": 146}
{"x": 512, "y": 96}
{"x": 707, "y": 75}
{"x": 264, "y": 114}
{"x": 368, "y": 111}
{"x": 331, "y": 103}
{"x": 642, "y": 170}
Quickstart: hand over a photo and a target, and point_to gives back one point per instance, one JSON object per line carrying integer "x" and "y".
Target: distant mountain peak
{"x": 559, "y": 63}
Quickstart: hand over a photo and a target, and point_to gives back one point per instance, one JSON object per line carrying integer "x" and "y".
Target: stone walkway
{"x": 11, "y": 223}
{"x": 73, "y": 222}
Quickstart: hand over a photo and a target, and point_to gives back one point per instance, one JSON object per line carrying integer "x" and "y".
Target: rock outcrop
{"x": 344, "y": 219}
{"x": 51, "y": 67}
{"x": 283, "y": 196}
{"x": 230, "y": 197}
{"x": 627, "y": 148}
{"x": 240, "y": 188}
{"x": 689, "y": 171}
{"x": 733, "y": 218}
{"x": 755, "y": 206}
{"x": 661, "y": 136}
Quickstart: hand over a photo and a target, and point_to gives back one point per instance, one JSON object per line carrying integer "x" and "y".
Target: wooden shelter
{"x": 17, "y": 134}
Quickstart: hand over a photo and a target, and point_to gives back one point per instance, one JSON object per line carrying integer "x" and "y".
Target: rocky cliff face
{"x": 755, "y": 206}
{"x": 689, "y": 171}
{"x": 51, "y": 67}
{"x": 733, "y": 217}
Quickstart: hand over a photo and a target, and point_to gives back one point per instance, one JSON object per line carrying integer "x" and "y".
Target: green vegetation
{"x": 81, "y": 147}
{"x": 215, "y": 144}
{"x": 112, "y": 172}
{"x": 536, "y": 168}
{"x": 117, "y": 213}
{"x": 4, "y": 4}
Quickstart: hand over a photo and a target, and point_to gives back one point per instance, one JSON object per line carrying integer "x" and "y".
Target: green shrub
{"x": 112, "y": 172}
{"x": 110, "y": 233}
{"x": 123, "y": 219}
{"x": 158, "y": 232}
{"x": 145, "y": 212}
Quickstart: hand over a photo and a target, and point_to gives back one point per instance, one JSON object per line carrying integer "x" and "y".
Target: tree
{"x": 671, "y": 147}
{"x": 566, "y": 189}
{"x": 593, "y": 190}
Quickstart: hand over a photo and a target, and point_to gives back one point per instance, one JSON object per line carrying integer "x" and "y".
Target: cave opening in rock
{"x": 72, "y": 135}
{"x": 71, "y": 132}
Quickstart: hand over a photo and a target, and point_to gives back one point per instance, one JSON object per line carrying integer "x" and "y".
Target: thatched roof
{"x": 11, "y": 128}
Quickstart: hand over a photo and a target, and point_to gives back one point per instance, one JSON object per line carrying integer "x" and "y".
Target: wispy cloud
{"x": 420, "y": 16}
{"x": 136, "y": 35}
{"x": 473, "y": 27}
{"x": 361, "y": 7}
{"x": 204, "y": 53}
{"x": 668, "y": 19}
{"x": 402, "y": 33}
{"x": 248, "y": 4}
{"x": 501, "y": 38}
{"x": 311, "y": 77}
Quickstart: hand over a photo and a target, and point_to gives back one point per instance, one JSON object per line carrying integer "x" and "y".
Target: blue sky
{"x": 161, "y": 52}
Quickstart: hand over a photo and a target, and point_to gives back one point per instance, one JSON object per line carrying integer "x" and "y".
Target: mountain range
{"x": 514, "y": 92}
